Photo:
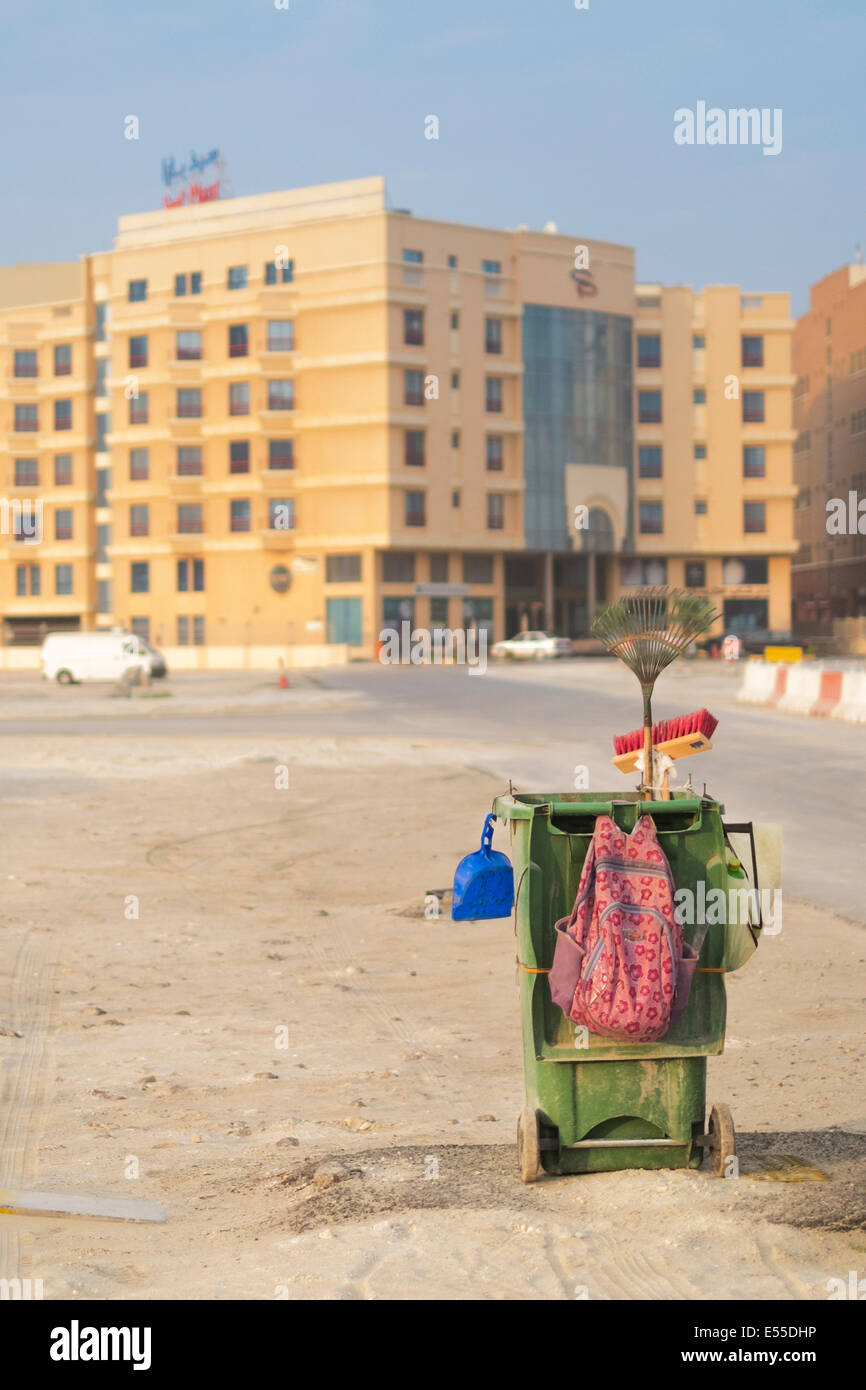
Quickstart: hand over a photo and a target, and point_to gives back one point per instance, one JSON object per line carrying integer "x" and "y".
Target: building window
{"x": 744, "y": 569}
{"x": 189, "y": 461}
{"x": 700, "y": 451}
{"x": 179, "y": 286}
{"x": 103, "y": 485}
{"x": 103, "y": 429}
{"x": 281, "y": 395}
{"x": 63, "y": 415}
{"x": 275, "y": 275}
{"x": 237, "y": 277}
{"x": 139, "y": 577}
{"x": 139, "y": 465}
{"x": 649, "y": 461}
{"x": 634, "y": 574}
{"x": 455, "y": 381}
{"x": 63, "y": 524}
{"x": 33, "y": 574}
{"x": 438, "y": 568}
{"x": 699, "y": 342}
{"x": 239, "y": 398}
{"x": 63, "y": 359}
{"x": 477, "y": 569}
{"x": 649, "y": 407}
{"x": 699, "y": 396}
{"x": 239, "y": 456}
{"x": 189, "y": 403}
{"x": 182, "y": 630}
{"x": 413, "y": 257}
{"x": 139, "y": 409}
{"x": 239, "y": 340}
{"x": 455, "y": 498}
{"x": 493, "y": 336}
{"x": 651, "y": 518}
{"x": 141, "y": 627}
{"x": 413, "y": 451}
{"x": 281, "y": 513}
{"x": 413, "y": 327}
{"x": 104, "y": 596}
{"x": 495, "y": 511}
{"x": 136, "y": 291}
{"x": 63, "y": 579}
{"x": 188, "y": 345}
{"x": 494, "y": 453}
{"x": 62, "y": 470}
{"x": 281, "y": 335}
{"x": 696, "y": 574}
{"x": 491, "y": 267}
{"x": 415, "y": 513}
{"x": 138, "y": 351}
{"x": 101, "y": 324}
{"x": 752, "y": 351}
{"x": 139, "y": 520}
{"x": 700, "y": 506}
{"x": 195, "y": 282}
{"x": 102, "y": 382}
{"x": 452, "y": 262}
{"x": 198, "y": 630}
{"x": 413, "y": 388}
{"x": 190, "y": 569}
{"x": 239, "y": 514}
{"x": 754, "y": 517}
{"x": 281, "y": 453}
{"x": 25, "y": 363}
{"x": 649, "y": 350}
{"x": 26, "y": 419}
{"x": 189, "y": 519}
{"x": 398, "y": 567}
{"x": 455, "y": 439}
{"x": 103, "y": 541}
{"x": 493, "y": 395}
{"x": 753, "y": 407}
{"x": 26, "y": 472}
{"x": 754, "y": 461}
{"x": 455, "y": 320}
{"x": 342, "y": 569}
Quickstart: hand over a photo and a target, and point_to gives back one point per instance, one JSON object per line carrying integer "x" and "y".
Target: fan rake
{"x": 647, "y": 631}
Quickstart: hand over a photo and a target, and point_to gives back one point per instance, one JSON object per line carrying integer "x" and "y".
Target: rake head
{"x": 651, "y": 628}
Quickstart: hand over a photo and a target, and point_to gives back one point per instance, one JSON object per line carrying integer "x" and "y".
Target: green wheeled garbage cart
{"x": 594, "y": 1104}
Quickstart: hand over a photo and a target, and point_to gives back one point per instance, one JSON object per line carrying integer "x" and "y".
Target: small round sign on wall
{"x": 280, "y": 579}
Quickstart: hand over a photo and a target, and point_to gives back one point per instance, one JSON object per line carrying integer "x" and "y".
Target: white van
{"x": 95, "y": 656}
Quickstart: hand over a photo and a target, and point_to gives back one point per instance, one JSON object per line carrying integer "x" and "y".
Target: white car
{"x": 532, "y": 646}
{"x": 70, "y": 657}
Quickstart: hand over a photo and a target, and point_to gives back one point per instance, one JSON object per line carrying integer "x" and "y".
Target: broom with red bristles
{"x": 647, "y": 631}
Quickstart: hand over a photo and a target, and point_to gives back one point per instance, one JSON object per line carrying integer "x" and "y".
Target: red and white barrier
{"x": 804, "y": 688}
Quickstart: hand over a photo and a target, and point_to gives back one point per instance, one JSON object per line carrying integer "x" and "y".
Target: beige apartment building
{"x": 714, "y": 491}
{"x": 830, "y": 460}
{"x": 266, "y": 428}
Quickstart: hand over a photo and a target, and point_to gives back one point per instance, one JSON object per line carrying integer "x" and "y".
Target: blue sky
{"x": 545, "y": 112}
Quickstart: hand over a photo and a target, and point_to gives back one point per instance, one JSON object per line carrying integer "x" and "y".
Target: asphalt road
{"x": 536, "y": 726}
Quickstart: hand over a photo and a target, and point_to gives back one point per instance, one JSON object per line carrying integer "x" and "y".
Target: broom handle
{"x": 647, "y": 742}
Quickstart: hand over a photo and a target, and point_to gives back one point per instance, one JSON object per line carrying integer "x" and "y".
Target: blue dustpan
{"x": 483, "y": 883}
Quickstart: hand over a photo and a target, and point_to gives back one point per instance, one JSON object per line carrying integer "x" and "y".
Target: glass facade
{"x": 577, "y": 409}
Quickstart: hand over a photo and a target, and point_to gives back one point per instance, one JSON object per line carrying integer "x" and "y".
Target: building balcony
{"x": 277, "y": 540}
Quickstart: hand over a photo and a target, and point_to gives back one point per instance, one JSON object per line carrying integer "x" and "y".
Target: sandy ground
{"x": 321, "y": 1086}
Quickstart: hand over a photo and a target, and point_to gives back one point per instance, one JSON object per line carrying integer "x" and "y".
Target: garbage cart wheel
{"x": 528, "y": 1144}
{"x": 722, "y": 1139}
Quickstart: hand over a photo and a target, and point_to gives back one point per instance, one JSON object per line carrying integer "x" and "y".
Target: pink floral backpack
{"x": 621, "y": 967}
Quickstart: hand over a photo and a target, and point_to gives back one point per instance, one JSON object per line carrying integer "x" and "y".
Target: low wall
{"x": 818, "y": 691}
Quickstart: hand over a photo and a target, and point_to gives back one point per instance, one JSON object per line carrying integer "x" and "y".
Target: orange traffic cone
{"x": 283, "y": 682}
